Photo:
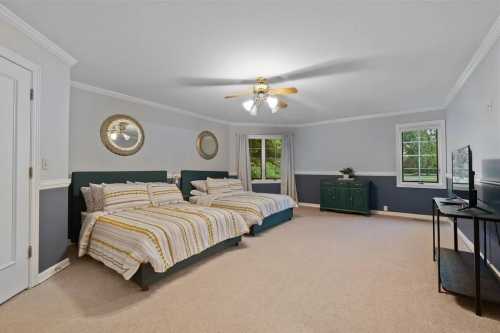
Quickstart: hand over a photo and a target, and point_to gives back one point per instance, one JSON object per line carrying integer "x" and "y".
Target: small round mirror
{"x": 207, "y": 145}
{"x": 122, "y": 135}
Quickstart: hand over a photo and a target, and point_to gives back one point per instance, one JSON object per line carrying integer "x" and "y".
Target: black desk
{"x": 461, "y": 272}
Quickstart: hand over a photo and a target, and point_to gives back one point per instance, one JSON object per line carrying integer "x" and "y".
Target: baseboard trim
{"x": 403, "y": 215}
{"x": 49, "y": 272}
{"x": 381, "y": 212}
{"x": 307, "y": 204}
{"x": 468, "y": 243}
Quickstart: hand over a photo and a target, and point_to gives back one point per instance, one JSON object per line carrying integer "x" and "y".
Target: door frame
{"x": 36, "y": 77}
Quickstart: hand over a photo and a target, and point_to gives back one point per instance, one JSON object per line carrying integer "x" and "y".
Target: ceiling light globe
{"x": 248, "y": 105}
{"x": 253, "y": 110}
{"x": 272, "y": 102}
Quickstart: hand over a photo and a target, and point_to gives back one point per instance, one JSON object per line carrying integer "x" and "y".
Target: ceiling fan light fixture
{"x": 249, "y": 105}
{"x": 253, "y": 110}
{"x": 272, "y": 102}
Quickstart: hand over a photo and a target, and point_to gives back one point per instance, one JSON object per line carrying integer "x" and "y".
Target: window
{"x": 265, "y": 158}
{"x": 420, "y": 149}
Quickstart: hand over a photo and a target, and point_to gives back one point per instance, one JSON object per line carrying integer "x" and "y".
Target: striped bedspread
{"x": 254, "y": 207}
{"x": 160, "y": 236}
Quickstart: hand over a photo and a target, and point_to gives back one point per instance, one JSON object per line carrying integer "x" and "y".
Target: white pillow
{"x": 218, "y": 186}
{"x": 200, "y": 185}
{"x": 121, "y": 196}
{"x": 197, "y": 193}
{"x": 87, "y": 197}
{"x": 164, "y": 193}
{"x": 235, "y": 184}
{"x": 97, "y": 193}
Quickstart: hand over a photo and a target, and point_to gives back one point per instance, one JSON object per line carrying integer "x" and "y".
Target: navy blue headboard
{"x": 187, "y": 176}
{"x": 81, "y": 179}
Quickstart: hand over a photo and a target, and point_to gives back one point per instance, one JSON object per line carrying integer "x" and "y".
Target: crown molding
{"x": 137, "y": 100}
{"x": 373, "y": 116}
{"x": 483, "y": 50}
{"x": 346, "y": 119}
{"x": 336, "y": 173}
{"x": 36, "y": 36}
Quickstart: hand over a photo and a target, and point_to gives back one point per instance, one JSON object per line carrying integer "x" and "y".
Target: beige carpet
{"x": 322, "y": 272}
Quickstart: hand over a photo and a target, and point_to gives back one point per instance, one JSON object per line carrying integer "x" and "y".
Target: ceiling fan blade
{"x": 327, "y": 68}
{"x": 246, "y": 93}
{"x": 204, "y": 81}
{"x": 282, "y": 104}
{"x": 282, "y": 91}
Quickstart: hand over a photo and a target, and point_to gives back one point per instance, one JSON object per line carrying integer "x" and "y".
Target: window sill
{"x": 266, "y": 181}
{"x": 424, "y": 185}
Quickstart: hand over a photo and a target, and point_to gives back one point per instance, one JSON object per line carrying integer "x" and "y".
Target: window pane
{"x": 410, "y": 136}
{"x": 410, "y": 148}
{"x": 428, "y": 169}
{"x": 420, "y": 156}
{"x": 255, "y": 146}
{"x": 273, "y": 158}
{"x": 428, "y": 134}
{"x": 410, "y": 168}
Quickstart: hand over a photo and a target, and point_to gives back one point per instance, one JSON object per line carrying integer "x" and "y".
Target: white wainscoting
{"x": 54, "y": 183}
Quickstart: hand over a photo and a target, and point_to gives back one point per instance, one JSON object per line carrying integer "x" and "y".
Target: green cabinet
{"x": 352, "y": 196}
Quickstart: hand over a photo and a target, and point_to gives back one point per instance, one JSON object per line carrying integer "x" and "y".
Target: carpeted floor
{"x": 322, "y": 272}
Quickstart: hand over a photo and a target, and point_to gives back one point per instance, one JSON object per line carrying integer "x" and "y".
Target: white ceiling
{"x": 373, "y": 56}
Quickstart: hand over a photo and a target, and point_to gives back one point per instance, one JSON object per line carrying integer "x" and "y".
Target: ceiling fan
{"x": 260, "y": 93}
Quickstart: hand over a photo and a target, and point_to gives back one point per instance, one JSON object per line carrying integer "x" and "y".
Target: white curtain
{"x": 243, "y": 161}
{"x": 288, "y": 186}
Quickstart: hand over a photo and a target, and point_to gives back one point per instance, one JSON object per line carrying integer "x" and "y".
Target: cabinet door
{"x": 327, "y": 197}
{"x": 342, "y": 197}
{"x": 359, "y": 199}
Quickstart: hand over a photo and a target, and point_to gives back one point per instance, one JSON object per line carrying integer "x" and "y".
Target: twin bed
{"x": 261, "y": 211}
{"x": 151, "y": 239}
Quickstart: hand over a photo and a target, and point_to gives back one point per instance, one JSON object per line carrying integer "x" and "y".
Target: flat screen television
{"x": 462, "y": 185}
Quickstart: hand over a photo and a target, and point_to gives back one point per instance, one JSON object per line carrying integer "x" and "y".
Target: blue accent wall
{"x": 53, "y": 236}
{"x": 267, "y": 188}
{"x": 384, "y": 192}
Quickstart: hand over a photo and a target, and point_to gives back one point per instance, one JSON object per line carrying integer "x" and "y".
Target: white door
{"x": 15, "y": 105}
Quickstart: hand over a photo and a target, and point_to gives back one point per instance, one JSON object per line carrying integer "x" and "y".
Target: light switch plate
{"x": 45, "y": 164}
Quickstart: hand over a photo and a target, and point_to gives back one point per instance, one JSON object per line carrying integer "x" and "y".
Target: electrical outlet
{"x": 45, "y": 164}
{"x": 386, "y": 208}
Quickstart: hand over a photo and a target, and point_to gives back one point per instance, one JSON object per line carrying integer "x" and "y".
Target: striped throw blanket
{"x": 254, "y": 207}
{"x": 160, "y": 236}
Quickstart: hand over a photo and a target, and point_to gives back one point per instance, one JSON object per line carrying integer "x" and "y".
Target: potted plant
{"x": 347, "y": 173}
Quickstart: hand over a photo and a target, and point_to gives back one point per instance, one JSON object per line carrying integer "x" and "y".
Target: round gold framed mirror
{"x": 122, "y": 135}
{"x": 207, "y": 145}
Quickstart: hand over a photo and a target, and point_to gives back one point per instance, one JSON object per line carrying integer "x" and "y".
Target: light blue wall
{"x": 473, "y": 118}
{"x": 170, "y": 138}
{"x": 366, "y": 145}
{"x": 469, "y": 119}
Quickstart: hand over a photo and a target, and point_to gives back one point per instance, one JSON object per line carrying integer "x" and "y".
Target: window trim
{"x": 263, "y": 137}
{"x": 441, "y": 127}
